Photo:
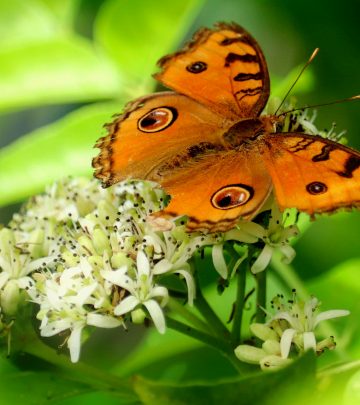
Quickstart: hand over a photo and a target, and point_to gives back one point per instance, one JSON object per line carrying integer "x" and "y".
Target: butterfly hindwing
{"x": 311, "y": 173}
{"x": 215, "y": 191}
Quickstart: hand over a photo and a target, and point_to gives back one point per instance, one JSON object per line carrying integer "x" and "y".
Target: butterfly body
{"x": 207, "y": 145}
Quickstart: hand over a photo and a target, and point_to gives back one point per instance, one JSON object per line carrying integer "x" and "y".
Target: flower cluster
{"x": 88, "y": 256}
{"x": 290, "y": 332}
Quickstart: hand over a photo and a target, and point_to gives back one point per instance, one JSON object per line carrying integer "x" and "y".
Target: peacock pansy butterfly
{"x": 206, "y": 144}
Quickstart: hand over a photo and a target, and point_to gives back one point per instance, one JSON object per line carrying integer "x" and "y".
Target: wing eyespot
{"x": 196, "y": 67}
{"x": 231, "y": 196}
{"x": 157, "y": 119}
{"x": 316, "y": 187}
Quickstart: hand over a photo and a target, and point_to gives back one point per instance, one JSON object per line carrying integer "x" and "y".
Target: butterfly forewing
{"x": 156, "y": 135}
{"x": 223, "y": 68}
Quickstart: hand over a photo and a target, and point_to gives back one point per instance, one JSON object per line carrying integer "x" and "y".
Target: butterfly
{"x": 206, "y": 144}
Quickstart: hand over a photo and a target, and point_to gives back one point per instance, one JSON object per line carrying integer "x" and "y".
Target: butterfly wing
{"x": 155, "y": 135}
{"x": 215, "y": 191}
{"x": 223, "y": 68}
{"x": 311, "y": 173}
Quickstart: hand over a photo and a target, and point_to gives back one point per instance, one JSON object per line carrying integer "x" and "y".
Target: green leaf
{"x": 52, "y": 152}
{"x": 293, "y": 384}
{"x": 64, "y": 10}
{"x": 25, "y": 21}
{"x": 136, "y": 33}
{"x": 352, "y": 392}
{"x": 61, "y": 70}
{"x": 37, "y": 388}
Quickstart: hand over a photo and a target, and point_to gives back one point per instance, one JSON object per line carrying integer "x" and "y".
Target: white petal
{"x": 334, "y": 313}
{"x": 117, "y": 277}
{"x": 162, "y": 267}
{"x": 83, "y": 295}
{"x": 240, "y": 235}
{"x": 219, "y": 261}
{"x": 103, "y": 321}
{"x": 190, "y": 283}
{"x": 285, "y": 342}
{"x": 253, "y": 229}
{"x": 25, "y": 282}
{"x": 74, "y": 344}
{"x": 159, "y": 291}
{"x": 4, "y": 277}
{"x": 287, "y": 317}
{"x": 156, "y": 314}
{"x": 309, "y": 341}
{"x": 55, "y": 327}
{"x": 288, "y": 252}
{"x": 263, "y": 260}
{"x": 53, "y": 297}
{"x": 142, "y": 263}
{"x": 126, "y": 305}
{"x": 34, "y": 265}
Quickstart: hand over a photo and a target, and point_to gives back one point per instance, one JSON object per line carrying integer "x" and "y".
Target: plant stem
{"x": 210, "y": 316}
{"x": 289, "y": 276}
{"x": 215, "y": 342}
{"x": 176, "y": 307}
{"x": 260, "y": 296}
{"x": 223, "y": 346}
{"x": 239, "y": 304}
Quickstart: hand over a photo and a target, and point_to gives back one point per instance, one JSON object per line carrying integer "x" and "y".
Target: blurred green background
{"x": 66, "y": 66}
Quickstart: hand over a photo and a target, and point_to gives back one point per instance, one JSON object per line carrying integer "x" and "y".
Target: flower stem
{"x": 239, "y": 304}
{"x": 210, "y": 316}
{"x": 260, "y": 296}
{"x": 176, "y": 307}
{"x": 223, "y": 346}
{"x": 219, "y": 344}
{"x": 289, "y": 276}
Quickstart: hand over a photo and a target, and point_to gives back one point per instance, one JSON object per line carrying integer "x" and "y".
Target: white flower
{"x": 302, "y": 318}
{"x": 142, "y": 290}
{"x": 294, "y": 323}
{"x": 276, "y": 237}
{"x": 71, "y": 300}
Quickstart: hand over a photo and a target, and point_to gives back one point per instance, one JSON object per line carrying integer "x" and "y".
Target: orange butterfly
{"x": 208, "y": 147}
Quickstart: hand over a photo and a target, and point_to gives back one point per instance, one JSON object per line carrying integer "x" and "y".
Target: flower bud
{"x": 273, "y": 362}
{"x": 272, "y": 346}
{"x": 10, "y": 297}
{"x": 249, "y": 354}
{"x": 101, "y": 242}
{"x": 263, "y": 332}
{"x": 138, "y": 316}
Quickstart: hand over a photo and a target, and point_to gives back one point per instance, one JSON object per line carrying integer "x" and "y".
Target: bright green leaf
{"x": 60, "y": 149}
{"x": 64, "y": 10}
{"x": 25, "y": 21}
{"x": 352, "y": 393}
{"x": 54, "y": 71}
{"x": 136, "y": 33}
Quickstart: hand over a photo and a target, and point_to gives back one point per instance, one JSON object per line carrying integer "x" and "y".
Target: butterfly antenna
{"x": 298, "y": 77}
{"x": 321, "y": 105}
